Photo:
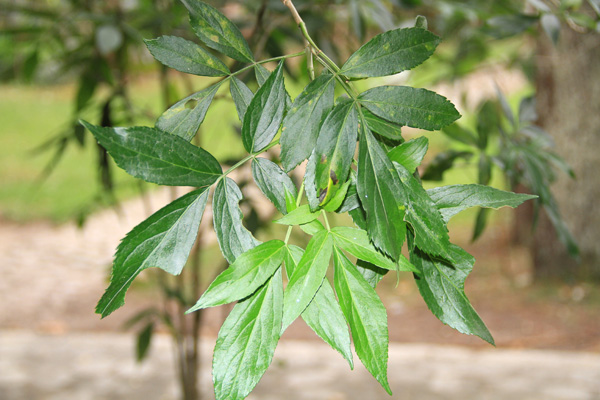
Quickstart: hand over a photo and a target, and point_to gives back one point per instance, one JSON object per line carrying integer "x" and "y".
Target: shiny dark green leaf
{"x": 323, "y": 315}
{"x": 164, "y": 240}
{"x": 451, "y": 200}
{"x": 241, "y": 95}
{"x": 186, "y": 56}
{"x": 217, "y": 32}
{"x": 382, "y": 196}
{"x": 158, "y": 157}
{"x": 143, "y": 341}
{"x": 428, "y": 226}
{"x": 265, "y": 112}
{"x": 247, "y": 340}
{"x": 261, "y": 73}
{"x": 410, "y": 154}
{"x": 185, "y": 117}
{"x": 442, "y": 287}
{"x": 417, "y": 108}
{"x": 301, "y": 125}
{"x": 381, "y": 126}
{"x": 247, "y": 273}
{"x": 273, "y": 182}
{"x": 391, "y": 52}
{"x": 234, "y": 239}
{"x": 338, "y": 198}
{"x": 366, "y": 315}
{"x": 334, "y": 151}
{"x": 307, "y": 277}
{"x": 372, "y": 274}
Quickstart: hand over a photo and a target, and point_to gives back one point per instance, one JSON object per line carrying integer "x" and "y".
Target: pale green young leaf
{"x": 217, "y": 32}
{"x": 442, "y": 287}
{"x": 186, "y": 56}
{"x": 300, "y": 216}
{"x": 391, "y": 52}
{"x": 334, "y": 151}
{"x": 265, "y": 112}
{"x": 366, "y": 315}
{"x": 451, "y": 200}
{"x": 312, "y": 228}
{"x": 241, "y": 95}
{"x": 428, "y": 226}
{"x": 164, "y": 240}
{"x": 307, "y": 277}
{"x": 247, "y": 340}
{"x": 247, "y": 273}
{"x": 410, "y": 154}
{"x": 323, "y": 315}
{"x": 273, "y": 182}
{"x": 382, "y": 127}
{"x": 404, "y": 105}
{"x": 158, "y": 157}
{"x": 234, "y": 239}
{"x": 301, "y": 125}
{"x": 185, "y": 117}
{"x": 382, "y": 196}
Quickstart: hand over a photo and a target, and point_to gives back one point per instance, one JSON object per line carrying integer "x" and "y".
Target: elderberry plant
{"x": 378, "y": 185}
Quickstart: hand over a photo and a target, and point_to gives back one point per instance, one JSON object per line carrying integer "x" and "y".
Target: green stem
{"x": 324, "y": 213}
{"x": 298, "y": 200}
{"x": 245, "y": 159}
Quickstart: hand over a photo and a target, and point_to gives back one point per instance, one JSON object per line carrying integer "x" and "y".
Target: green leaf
{"x": 312, "y": 228}
{"x": 300, "y": 216}
{"x": 381, "y": 195}
{"x": 417, "y": 108}
{"x": 273, "y": 182}
{"x": 242, "y": 96}
{"x": 301, "y": 125}
{"x": 428, "y": 226}
{"x": 185, "y": 117}
{"x": 265, "y": 112}
{"x": 186, "y": 56}
{"x": 371, "y": 273}
{"x": 164, "y": 240}
{"x": 338, "y": 198}
{"x": 382, "y": 127}
{"x": 334, "y": 151}
{"x": 247, "y": 273}
{"x": 356, "y": 242}
{"x": 366, "y": 315}
{"x": 410, "y": 154}
{"x": 234, "y": 238}
{"x": 307, "y": 277}
{"x": 323, "y": 315}
{"x": 391, "y": 52}
{"x": 351, "y": 201}
{"x": 247, "y": 341}
{"x": 451, "y": 200}
{"x": 158, "y": 157}
{"x": 442, "y": 287}
{"x": 261, "y": 73}
{"x": 143, "y": 341}
{"x": 217, "y": 32}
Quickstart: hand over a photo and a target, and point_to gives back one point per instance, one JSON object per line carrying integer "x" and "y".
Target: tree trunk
{"x": 568, "y": 95}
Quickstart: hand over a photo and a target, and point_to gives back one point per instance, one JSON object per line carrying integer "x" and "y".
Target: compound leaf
{"x": 185, "y": 56}
{"x": 247, "y": 341}
{"x": 164, "y": 240}
{"x": 234, "y": 239}
{"x": 366, "y": 315}
{"x": 265, "y": 112}
{"x": 451, "y": 200}
{"x": 301, "y": 125}
{"x": 391, "y": 52}
{"x": 185, "y": 117}
{"x": 404, "y": 105}
{"x": 247, "y": 273}
{"x": 158, "y": 157}
{"x": 217, "y": 32}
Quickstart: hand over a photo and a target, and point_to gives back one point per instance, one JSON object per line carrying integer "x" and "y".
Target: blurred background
{"x": 524, "y": 74}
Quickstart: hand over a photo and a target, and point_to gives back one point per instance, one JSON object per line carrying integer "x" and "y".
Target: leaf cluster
{"x": 357, "y": 163}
